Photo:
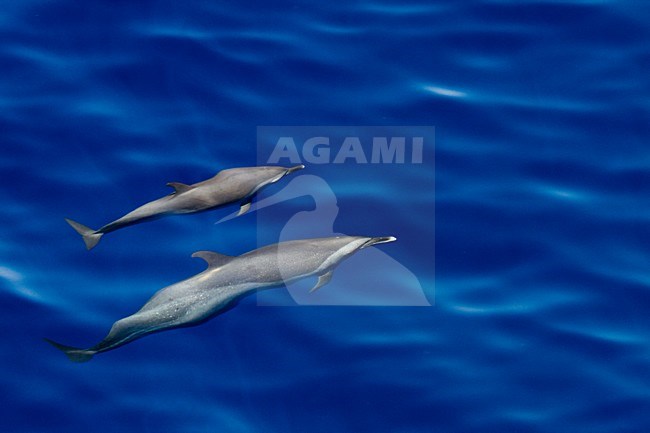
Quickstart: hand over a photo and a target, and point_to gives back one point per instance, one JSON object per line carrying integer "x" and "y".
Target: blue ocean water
{"x": 539, "y": 280}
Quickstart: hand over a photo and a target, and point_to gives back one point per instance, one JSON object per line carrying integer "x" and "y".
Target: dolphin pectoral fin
{"x": 90, "y": 236}
{"x": 179, "y": 188}
{"x": 214, "y": 260}
{"x": 322, "y": 280}
{"x": 73, "y": 353}
{"x": 245, "y": 206}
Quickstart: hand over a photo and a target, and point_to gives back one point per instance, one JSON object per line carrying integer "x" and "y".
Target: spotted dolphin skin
{"x": 226, "y": 280}
{"x": 227, "y": 187}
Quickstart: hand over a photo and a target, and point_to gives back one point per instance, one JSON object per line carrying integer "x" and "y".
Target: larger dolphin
{"x": 226, "y": 187}
{"x": 226, "y": 280}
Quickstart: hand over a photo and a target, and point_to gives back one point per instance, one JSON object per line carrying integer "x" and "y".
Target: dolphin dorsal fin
{"x": 179, "y": 188}
{"x": 214, "y": 260}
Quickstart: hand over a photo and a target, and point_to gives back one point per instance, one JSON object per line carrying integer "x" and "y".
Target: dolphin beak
{"x": 292, "y": 169}
{"x": 379, "y": 240}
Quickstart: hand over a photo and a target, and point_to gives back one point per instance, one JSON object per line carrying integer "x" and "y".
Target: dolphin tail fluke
{"x": 73, "y": 353}
{"x": 90, "y": 236}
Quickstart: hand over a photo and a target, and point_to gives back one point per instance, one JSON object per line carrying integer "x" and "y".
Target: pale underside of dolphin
{"x": 235, "y": 185}
{"x": 226, "y": 280}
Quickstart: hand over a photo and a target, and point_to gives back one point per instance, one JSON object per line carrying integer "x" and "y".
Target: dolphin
{"x": 226, "y": 280}
{"x": 226, "y": 187}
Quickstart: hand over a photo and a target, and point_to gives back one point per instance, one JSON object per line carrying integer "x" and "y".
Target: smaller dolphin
{"x": 228, "y": 186}
{"x": 226, "y": 280}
